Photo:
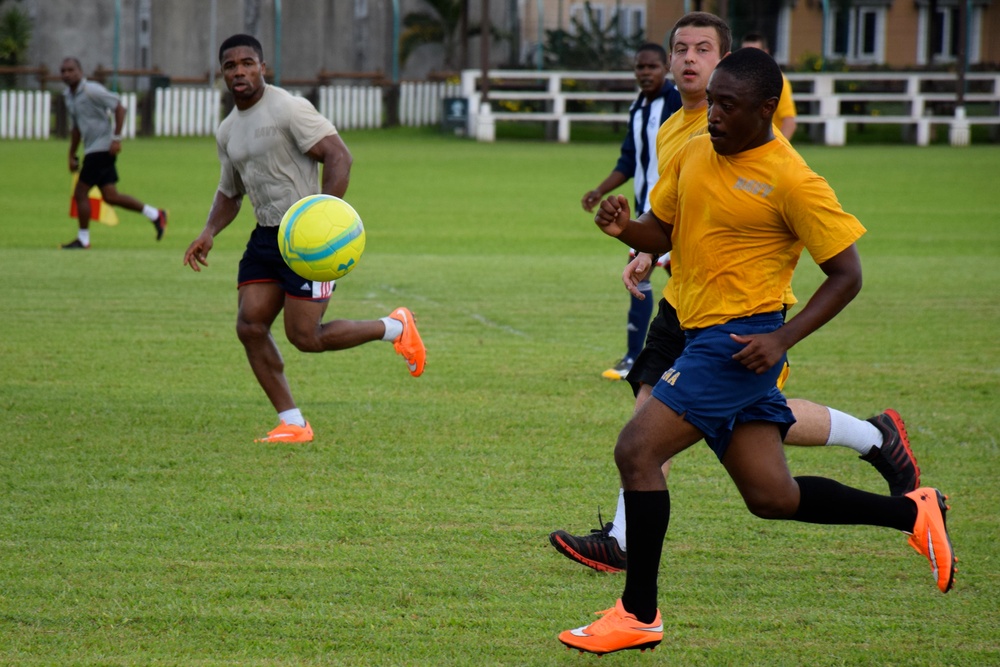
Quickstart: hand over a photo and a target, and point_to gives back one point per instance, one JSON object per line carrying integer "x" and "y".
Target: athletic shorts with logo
{"x": 715, "y": 392}
{"x": 262, "y": 263}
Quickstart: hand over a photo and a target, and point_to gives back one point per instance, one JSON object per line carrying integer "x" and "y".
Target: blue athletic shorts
{"x": 262, "y": 263}
{"x": 714, "y": 392}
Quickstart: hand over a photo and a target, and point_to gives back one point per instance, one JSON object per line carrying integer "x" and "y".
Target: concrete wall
{"x": 316, "y": 35}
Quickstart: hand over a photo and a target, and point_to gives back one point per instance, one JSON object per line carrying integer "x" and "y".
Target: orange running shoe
{"x": 409, "y": 344}
{"x": 286, "y": 432}
{"x": 930, "y": 535}
{"x": 616, "y": 630}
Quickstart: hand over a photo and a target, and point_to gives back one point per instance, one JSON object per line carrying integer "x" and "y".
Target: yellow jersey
{"x": 740, "y": 223}
{"x": 786, "y": 106}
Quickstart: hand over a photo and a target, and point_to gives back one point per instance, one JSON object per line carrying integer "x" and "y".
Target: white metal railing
{"x": 829, "y": 103}
{"x": 549, "y": 89}
{"x": 832, "y": 101}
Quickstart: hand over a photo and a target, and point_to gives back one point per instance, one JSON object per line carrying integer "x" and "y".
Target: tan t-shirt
{"x": 262, "y": 151}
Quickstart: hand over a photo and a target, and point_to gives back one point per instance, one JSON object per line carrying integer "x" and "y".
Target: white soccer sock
{"x": 848, "y": 431}
{"x": 84, "y": 236}
{"x": 150, "y": 212}
{"x": 618, "y": 526}
{"x": 293, "y": 416}
{"x": 393, "y": 328}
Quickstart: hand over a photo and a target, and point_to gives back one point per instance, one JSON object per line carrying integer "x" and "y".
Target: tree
{"x": 15, "y": 35}
{"x": 590, "y": 46}
{"x": 438, "y": 27}
{"x": 448, "y": 25}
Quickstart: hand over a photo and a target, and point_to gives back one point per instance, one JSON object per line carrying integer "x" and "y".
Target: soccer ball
{"x": 321, "y": 237}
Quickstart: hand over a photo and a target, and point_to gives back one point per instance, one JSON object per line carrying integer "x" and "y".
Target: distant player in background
{"x": 784, "y": 115}
{"x": 270, "y": 147}
{"x": 89, "y": 105}
{"x": 658, "y": 99}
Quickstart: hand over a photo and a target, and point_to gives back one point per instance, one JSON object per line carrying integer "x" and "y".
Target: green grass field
{"x": 140, "y": 524}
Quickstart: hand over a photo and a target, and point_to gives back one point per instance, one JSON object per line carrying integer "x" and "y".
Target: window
{"x": 633, "y": 21}
{"x": 940, "y": 33}
{"x": 592, "y": 21}
{"x": 857, "y": 34}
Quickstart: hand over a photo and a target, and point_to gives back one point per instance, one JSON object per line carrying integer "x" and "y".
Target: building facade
{"x": 883, "y": 33}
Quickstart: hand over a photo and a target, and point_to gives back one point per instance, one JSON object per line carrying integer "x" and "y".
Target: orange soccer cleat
{"x": 930, "y": 535}
{"x": 285, "y": 432}
{"x": 616, "y": 630}
{"x": 409, "y": 344}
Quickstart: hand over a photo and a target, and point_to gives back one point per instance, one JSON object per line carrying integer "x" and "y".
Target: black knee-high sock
{"x": 647, "y": 514}
{"x": 823, "y": 500}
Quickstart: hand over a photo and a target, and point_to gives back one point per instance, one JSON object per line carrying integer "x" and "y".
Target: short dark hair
{"x": 705, "y": 20}
{"x": 756, "y": 68}
{"x": 655, "y": 48}
{"x": 241, "y": 40}
{"x": 755, "y": 37}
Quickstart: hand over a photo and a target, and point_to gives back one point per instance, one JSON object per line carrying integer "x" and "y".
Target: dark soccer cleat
{"x": 894, "y": 459}
{"x": 160, "y": 223}
{"x": 75, "y": 244}
{"x": 598, "y": 550}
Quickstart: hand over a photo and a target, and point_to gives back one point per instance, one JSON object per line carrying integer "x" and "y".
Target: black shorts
{"x": 262, "y": 263}
{"x": 99, "y": 169}
{"x": 664, "y": 343}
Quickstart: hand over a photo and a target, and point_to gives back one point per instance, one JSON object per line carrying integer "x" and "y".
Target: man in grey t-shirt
{"x": 90, "y": 106}
{"x": 270, "y": 148}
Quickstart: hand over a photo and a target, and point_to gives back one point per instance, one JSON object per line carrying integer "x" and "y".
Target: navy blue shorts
{"x": 99, "y": 169}
{"x": 715, "y": 393}
{"x": 262, "y": 263}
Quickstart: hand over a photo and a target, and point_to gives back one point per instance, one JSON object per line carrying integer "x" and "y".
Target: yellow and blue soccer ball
{"x": 321, "y": 237}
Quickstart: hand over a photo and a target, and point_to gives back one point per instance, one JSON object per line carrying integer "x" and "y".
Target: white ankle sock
{"x": 393, "y": 328}
{"x": 618, "y": 527}
{"x": 848, "y": 431}
{"x": 150, "y": 212}
{"x": 84, "y": 236}
{"x": 293, "y": 416}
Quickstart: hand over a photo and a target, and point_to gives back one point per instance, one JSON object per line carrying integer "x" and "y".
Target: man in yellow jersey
{"x": 698, "y": 41}
{"x": 784, "y": 115}
{"x": 736, "y": 209}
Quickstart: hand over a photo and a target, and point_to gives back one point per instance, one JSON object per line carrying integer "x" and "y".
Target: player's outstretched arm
{"x": 842, "y": 284}
{"x": 224, "y": 210}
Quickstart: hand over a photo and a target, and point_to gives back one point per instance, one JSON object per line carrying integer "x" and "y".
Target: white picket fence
{"x": 27, "y": 114}
{"x": 351, "y": 107}
{"x": 197, "y": 110}
{"x": 420, "y": 102}
{"x": 186, "y": 111}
